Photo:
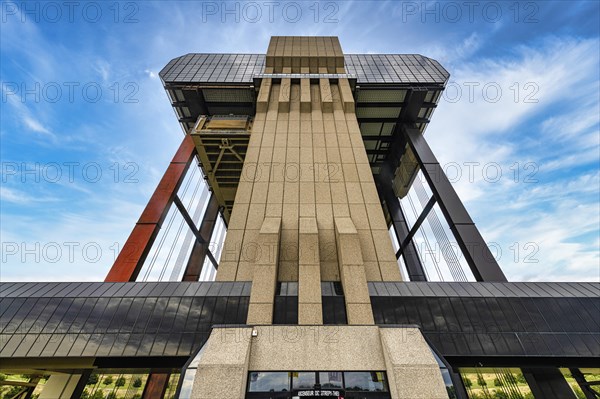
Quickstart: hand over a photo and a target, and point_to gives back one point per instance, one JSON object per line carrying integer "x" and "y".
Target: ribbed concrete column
{"x": 310, "y": 308}
{"x": 306, "y": 163}
{"x": 352, "y": 270}
{"x": 260, "y": 310}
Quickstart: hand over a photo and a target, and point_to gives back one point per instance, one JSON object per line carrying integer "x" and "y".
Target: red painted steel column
{"x": 156, "y": 386}
{"x": 134, "y": 252}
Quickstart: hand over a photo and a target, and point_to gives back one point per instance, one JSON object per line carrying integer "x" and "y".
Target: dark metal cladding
{"x": 491, "y": 321}
{"x": 460, "y": 319}
{"x": 115, "y": 320}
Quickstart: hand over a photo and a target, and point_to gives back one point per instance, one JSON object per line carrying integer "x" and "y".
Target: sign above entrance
{"x": 319, "y": 393}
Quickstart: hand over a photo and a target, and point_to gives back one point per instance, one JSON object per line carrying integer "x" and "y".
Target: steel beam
{"x": 201, "y": 249}
{"x": 193, "y": 228}
{"x": 585, "y": 386}
{"x": 133, "y": 254}
{"x": 477, "y": 254}
{"x": 156, "y": 386}
{"x": 85, "y": 376}
{"x": 459, "y": 385}
{"x": 414, "y": 267}
{"x": 416, "y": 226}
{"x": 548, "y": 383}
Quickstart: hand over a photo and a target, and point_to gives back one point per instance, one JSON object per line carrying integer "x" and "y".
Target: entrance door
{"x": 317, "y": 384}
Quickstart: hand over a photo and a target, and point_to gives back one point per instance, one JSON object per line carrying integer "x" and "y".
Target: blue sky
{"x": 87, "y": 129}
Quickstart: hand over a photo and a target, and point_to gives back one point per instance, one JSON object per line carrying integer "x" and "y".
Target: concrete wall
{"x": 231, "y": 353}
{"x": 223, "y": 367}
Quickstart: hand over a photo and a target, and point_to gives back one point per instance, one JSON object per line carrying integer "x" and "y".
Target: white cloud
{"x": 103, "y": 68}
{"x": 561, "y": 69}
{"x": 15, "y": 196}
{"x": 558, "y": 211}
{"x": 36, "y": 126}
{"x": 565, "y": 69}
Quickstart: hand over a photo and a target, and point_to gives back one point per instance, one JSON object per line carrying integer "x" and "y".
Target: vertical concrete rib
{"x": 309, "y": 274}
{"x": 306, "y": 165}
{"x": 354, "y": 279}
{"x": 260, "y": 309}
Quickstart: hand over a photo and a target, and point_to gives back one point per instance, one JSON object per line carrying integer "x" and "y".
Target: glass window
{"x": 365, "y": 381}
{"x": 330, "y": 379}
{"x": 302, "y": 380}
{"x": 269, "y": 382}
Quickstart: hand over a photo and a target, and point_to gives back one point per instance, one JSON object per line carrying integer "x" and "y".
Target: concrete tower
{"x": 304, "y": 155}
{"x": 307, "y": 211}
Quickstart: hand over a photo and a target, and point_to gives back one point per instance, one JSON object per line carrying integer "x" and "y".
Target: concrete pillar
{"x": 230, "y": 353}
{"x": 310, "y": 308}
{"x": 260, "y": 310}
{"x": 413, "y": 372}
{"x": 352, "y": 271}
{"x": 223, "y": 368}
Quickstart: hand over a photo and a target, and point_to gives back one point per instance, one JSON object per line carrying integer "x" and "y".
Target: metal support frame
{"x": 85, "y": 376}
{"x": 133, "y": 254}
{"x": 416, "y": 226}
{"x": 477, "y": 254}
{"x": 414, "y": 267}
{"x": 585, "y": 386}
{"x": 192, "y": 226}
{"x": 548, "y": 383}
{"x": 410, "y": 110}
{"x": 459, "y": 386}
{"x": 27, "y": 388}
{"x": 201, "y": 248}
{"x": 156, "y": 385}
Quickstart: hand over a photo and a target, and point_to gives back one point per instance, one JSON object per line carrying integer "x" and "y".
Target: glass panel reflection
{"x": 365, "y": 381}
{"x": 269, "y": 382}
{"x": 302, "y": 380}
{"x": 331, "y": 379}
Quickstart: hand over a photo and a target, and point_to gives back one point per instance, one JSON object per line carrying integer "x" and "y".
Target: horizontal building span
{"x": 494, "y": 323}
{"x": 480, "y": 289}
{"x": 115, "y": 319}
{"x": 463, "y": 321}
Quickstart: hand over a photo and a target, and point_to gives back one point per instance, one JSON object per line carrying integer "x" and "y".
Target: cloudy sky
{"x": 87, "y": 130}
